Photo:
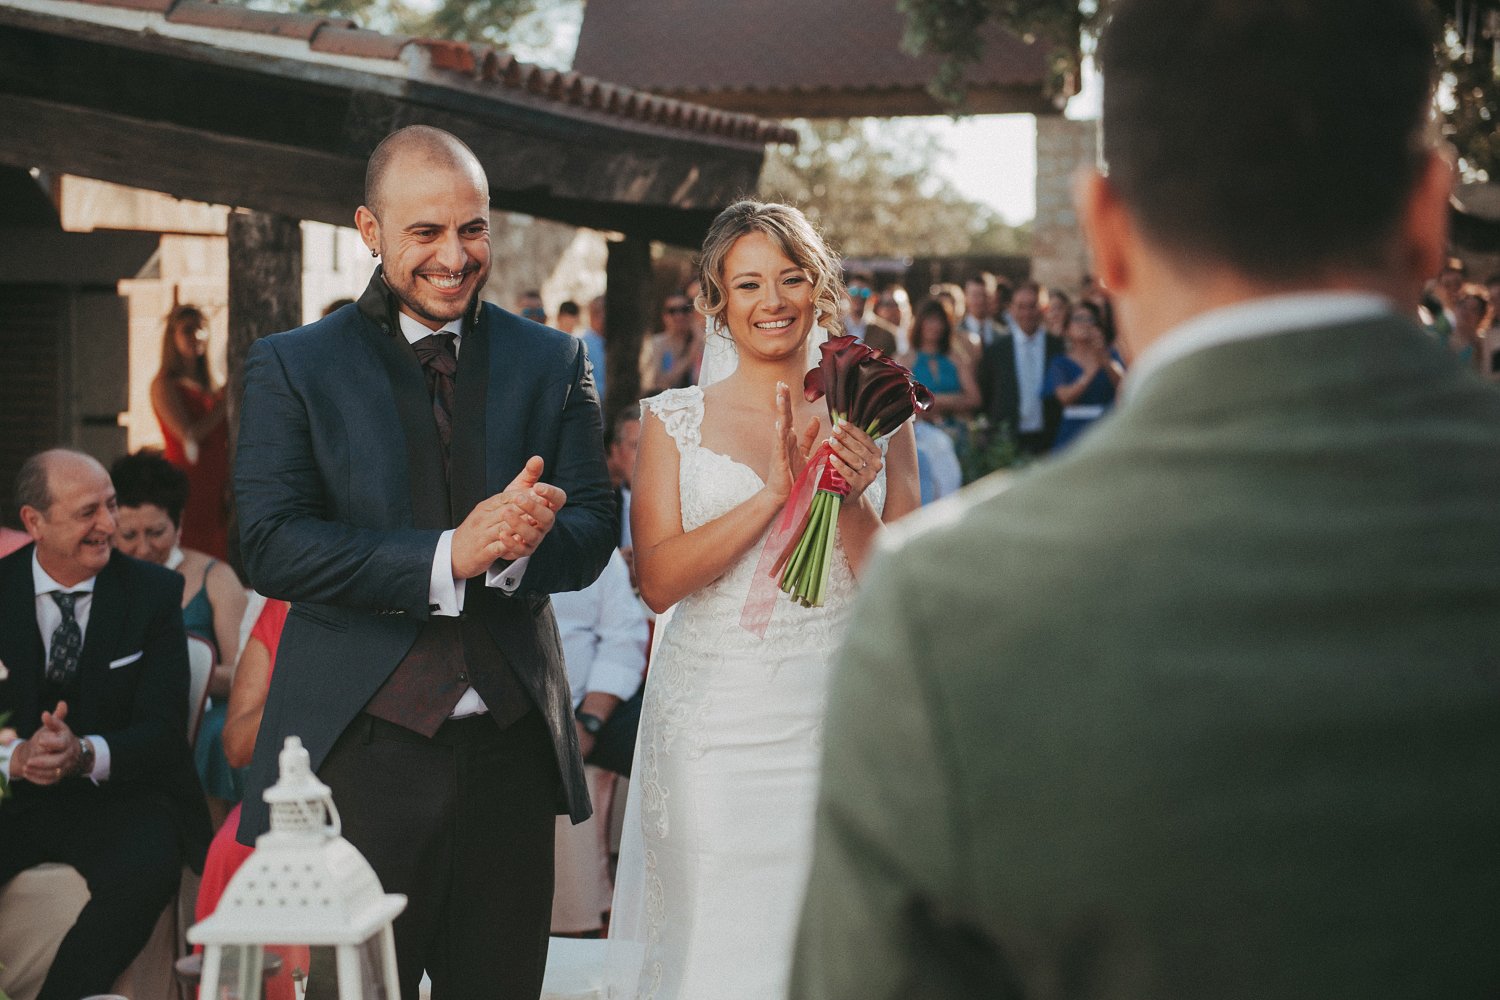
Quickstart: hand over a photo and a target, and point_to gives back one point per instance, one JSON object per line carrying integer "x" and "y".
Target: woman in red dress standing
{"x": 190, "y": 409}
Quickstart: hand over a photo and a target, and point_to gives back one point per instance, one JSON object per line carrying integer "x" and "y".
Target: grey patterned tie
{"x": 67, "y": 642}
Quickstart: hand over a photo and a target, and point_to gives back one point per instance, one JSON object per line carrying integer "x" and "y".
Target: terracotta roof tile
{"x": 497, "y": 68}
{"x": 542, "y": 80}
{"x": 359, "y": 43}
{"x": 494, "y": 65}
{"x": 154, "y": 6}
{"x": 232, "y": 17}
{"x": 456, "y": 57}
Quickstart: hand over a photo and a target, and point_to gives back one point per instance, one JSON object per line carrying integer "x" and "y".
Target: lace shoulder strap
{"x": 680, "y": 412}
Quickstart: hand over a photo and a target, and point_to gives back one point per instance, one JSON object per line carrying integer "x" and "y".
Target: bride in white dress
{"x": 718, "y": 835}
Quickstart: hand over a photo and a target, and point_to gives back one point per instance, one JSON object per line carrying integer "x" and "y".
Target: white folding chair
{"x": 200, "y": 668}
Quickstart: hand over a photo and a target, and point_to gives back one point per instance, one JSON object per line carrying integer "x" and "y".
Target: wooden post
{"x": 627, "y": 315}
{"x": 265, "y": 297}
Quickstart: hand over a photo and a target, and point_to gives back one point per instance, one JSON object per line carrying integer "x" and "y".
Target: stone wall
{"x": 1057, "y": 250}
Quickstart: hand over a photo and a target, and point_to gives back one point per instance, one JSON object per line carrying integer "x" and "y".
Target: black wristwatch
{"x": 85, "y": 756}
{"x": 591, "y": 723}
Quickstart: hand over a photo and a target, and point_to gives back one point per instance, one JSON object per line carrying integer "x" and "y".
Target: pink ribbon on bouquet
{"x": 819, "y": 474}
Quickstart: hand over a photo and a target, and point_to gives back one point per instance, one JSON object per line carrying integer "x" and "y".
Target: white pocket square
{"x": 126, "y": 661}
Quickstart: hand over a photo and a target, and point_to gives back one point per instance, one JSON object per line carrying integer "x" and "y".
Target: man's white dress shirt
{"x": 603, "y": 634}
{"x": 1031, "y": 370}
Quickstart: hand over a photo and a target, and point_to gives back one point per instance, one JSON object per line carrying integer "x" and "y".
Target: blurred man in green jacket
{"x": 1210, "y": 707}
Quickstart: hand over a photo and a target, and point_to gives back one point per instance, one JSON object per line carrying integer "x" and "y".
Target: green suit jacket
{"x": 1208, "y": 708}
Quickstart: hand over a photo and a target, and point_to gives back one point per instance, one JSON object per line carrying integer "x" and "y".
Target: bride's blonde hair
{"x": 793, "y": 235}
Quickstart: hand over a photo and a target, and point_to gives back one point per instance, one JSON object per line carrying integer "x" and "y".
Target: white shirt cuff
{"x": 507, "y": 578}
{"x": 445, "y": 595}
{"x": 100, "y": 773}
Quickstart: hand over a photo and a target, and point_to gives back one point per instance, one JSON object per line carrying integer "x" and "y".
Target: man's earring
{"x": 374, "y": 252}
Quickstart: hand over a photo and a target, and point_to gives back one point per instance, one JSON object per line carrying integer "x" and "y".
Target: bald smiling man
{"x": 416, "y": 473}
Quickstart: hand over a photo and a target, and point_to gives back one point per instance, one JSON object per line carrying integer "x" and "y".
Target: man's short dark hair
{"x": 146, "y": 477}
{"x": 568, "y": 308}
{"x": 984, "y": 278}
{"x": 626, "y": 415}
{"x": 1278, "y": 137}
{"x": 1004, "y": 290}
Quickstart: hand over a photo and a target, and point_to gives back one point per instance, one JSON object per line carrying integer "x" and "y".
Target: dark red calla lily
{"x": 864, "y": 386}
{"x": 841, "y": 356}
{"x": 813, "y": 386}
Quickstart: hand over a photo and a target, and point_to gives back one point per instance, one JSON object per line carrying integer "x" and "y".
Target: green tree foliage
{"x": 497, "y": 22}
{"x": 1470, "y": 92}
{"x": 951, "y": 28}
{"x": 868, "y": 185}
{"x": 1468, "y": 56}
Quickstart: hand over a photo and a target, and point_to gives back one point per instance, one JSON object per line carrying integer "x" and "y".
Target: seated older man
{"x": 95, "y": 684}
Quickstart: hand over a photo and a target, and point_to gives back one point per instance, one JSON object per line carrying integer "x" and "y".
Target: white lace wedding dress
{"x": 718, "y": 836}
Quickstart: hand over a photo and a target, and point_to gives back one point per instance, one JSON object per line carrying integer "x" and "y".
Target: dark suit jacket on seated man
{"x": 96, "y": 684}
{"x": 1234, "y": 730}
{"x": 393, "y": 493}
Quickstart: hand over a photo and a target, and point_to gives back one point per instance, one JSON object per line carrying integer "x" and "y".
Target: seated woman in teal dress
{"x": 152, "y": 493}
{"x": 1085, "y": 379}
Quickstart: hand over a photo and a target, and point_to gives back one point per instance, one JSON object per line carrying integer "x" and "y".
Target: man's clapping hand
{"x": 51, "y": 753}
{"x": 509, "y": 525}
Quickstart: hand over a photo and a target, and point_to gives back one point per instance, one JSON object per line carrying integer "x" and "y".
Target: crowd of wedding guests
{"x": 1461, "y": 313}
{"x": 1017, "y": 371}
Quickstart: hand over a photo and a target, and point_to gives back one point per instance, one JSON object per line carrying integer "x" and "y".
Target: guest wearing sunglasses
{"x": 670, "y": 359}
{"x": 860, "y": 289}
{"x": 530, "y": 306}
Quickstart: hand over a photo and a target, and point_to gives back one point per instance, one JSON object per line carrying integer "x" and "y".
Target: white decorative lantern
{"x": 303, "y": 885}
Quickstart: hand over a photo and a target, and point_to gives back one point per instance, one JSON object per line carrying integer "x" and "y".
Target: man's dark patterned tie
{"x": 67, "y": 642}
{"x": 439, "y": 363}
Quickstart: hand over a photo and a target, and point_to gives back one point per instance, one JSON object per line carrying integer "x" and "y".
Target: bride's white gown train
{"x": 718, "y": 835}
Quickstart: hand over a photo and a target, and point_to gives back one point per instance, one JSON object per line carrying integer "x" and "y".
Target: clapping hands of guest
{"x": 51, "y": 754}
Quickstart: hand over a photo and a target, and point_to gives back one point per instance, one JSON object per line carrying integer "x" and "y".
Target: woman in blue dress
{"x": 949, "y": 375}
{"x": 1085, "y": 379}
{"x": 934, "y": 361}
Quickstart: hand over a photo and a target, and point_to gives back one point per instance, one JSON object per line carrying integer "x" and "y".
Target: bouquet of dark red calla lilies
{"x": 875, "y": 394}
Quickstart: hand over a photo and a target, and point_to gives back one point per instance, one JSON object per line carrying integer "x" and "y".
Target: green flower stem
{"x": 830, "y": 536}
{"x": 805, "y": 577}
{"x": 811, "y": 590}
{"x": 794, "y": 564}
